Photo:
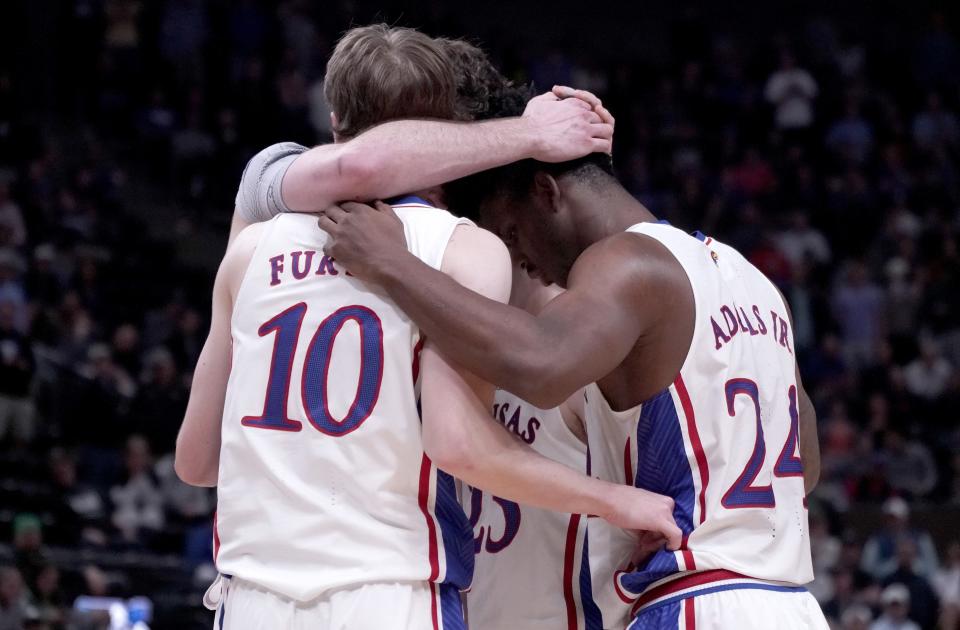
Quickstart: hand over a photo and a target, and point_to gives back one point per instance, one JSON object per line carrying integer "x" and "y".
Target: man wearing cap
{"x": 880, "y": 551}
{"x": 896, "y": 604}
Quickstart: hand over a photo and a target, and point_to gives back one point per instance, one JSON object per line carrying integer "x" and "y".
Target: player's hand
{"x": 362, "y": 238}
{"x": 562, "y": 91}
{"x": 566, "y": 129}
{"x": 638, "y": 509}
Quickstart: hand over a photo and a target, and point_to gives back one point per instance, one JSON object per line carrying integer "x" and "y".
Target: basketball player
{"x": 332, "y": 512}
{"x": 530, "y": 563}
{"x": 697, "y": 391}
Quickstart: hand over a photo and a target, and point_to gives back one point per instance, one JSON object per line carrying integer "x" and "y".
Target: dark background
{"x": 125, "y": 125}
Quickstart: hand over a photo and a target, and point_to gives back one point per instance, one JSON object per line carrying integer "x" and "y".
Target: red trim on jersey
{"x": 434, "y": 617}
{"x": 569, "y": 555}
{"x": 426, "y": 467}
{"x": 695, "y": 442}
{"x": 416, "y": 359}
{"x": 216, "y": 538}
{"x": 687, "y": 554}
{"x": 626, "y": 599}
{"x": 689, "y": 618}
{"x": 628, "y": 464}
{"x": 686, "y": 581}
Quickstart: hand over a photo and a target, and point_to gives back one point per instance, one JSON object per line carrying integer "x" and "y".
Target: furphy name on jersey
{"x": 302, "y": 265}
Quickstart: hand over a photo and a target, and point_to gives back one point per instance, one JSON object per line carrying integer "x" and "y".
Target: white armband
{"x": 259, "y": 198}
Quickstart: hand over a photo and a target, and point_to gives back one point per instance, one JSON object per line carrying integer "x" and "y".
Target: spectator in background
{"x": 857, "y": 306}
{"x": 791, "y": 90}
{"x": 896, "y": 606}
{"x": 29, "y": 554}
{"x": 161, "y": 401}
{"x": 856, "y": 617}
{"x": 11, "y": 287}
{"x": 13, "y": 599}
{"x": 138, "y": 504}
{"x": 928, "y": 375}
{"x": 946, "y": 582}
{"x": 908, "y": 464}
{"x": 13, "y": 231}
{"x": 935, "y": 127}
{"x": 80, "y": 511}
{"x": 851, "y": 137}
{"x": 16, "y": 376}
{"x": 923, "y": 600}
{"x": 880, "y": 551}
{"x": 801, "y": 242}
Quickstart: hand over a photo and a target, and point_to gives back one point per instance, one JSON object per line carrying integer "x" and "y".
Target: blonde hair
{"x": 379, "y": 73}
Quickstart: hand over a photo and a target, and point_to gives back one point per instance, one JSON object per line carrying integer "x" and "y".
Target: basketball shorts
{"x": 723, "y": 604}
{"x": 242, "y": 605}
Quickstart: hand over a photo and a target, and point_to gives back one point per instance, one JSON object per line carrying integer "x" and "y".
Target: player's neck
{"x": 611, "y": 211}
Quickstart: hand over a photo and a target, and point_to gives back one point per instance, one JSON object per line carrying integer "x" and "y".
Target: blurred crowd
{"x": 827, "y": 152}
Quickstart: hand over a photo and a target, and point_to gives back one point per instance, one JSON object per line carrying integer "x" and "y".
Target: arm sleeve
{"x": 258, "y": 198}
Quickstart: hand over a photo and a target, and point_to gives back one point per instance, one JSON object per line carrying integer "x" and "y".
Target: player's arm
{"x": 404, "y": 155}
{"x": 197, "y": 458}
{"x": 462, "y": 438}
{"x": 576, "y": 339}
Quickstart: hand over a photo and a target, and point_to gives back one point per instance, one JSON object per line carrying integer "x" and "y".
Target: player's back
{"x": 722, "y": 440}
{"x": 531, "y": 572}
{"x": 323, "y": 480}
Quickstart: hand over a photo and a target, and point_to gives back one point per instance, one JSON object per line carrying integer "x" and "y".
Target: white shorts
{"x": 741, "y": 604}
{"x": 242, "y": 605}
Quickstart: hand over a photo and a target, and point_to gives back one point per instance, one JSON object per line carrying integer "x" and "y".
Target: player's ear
{"x": 547, "y": 190}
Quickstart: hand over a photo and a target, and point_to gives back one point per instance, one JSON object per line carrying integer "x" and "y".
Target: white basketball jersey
{"x": 722, "y": 440}
{"x": 530, "y": 572}
{"x": 323, "y": 480}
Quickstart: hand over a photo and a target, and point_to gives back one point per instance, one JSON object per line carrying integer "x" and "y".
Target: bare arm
{"x": 463, "y": 439}
{"x": 578, "y": 338}
{"x": 197, "y": 458}
{"x": 404, "y": 155}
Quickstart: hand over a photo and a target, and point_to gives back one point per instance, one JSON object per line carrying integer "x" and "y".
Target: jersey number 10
{"x": 316, "y": 366}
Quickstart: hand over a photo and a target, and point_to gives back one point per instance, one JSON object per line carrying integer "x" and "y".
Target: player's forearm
{"x": 197, "y": 456}
{"x": 491, "y": 459}
{"x": 402, "y": 156}
{"x": 501, "y": 344}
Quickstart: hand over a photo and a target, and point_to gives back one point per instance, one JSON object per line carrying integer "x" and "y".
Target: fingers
{"x": 601, "y": 145}
{"x": 602, "y": 130}
{"x": 334, "y": 213}
{"x": 327, "y": 224}
{"x": 354, "y": 206}
{"x": 562, "y": 91}
{"x": 546, "y": 96}
{"x": 386, "y": 208}
{"x": 605, "y": 115}
{"x": 673, "y": 534}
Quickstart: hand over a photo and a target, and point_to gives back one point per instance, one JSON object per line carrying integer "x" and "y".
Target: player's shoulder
{"x": 478, "y": 259}
{"x": 628, "y": 255}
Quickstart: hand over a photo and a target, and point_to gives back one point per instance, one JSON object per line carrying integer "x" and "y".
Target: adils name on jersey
{"x": 736, "y": 320}
{"x": 301, "y": 264}
{"x": 529, "y": 432}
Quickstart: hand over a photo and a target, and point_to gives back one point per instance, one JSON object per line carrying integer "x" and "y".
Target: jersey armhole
{"x": 642, "y": 230}
{"x": 266, "y": 229}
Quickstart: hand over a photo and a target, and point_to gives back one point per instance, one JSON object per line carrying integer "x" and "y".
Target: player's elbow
{"x": 193, "y": 470}
{"x": 541, "y": 382}
{"x": 449, "y": 454}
